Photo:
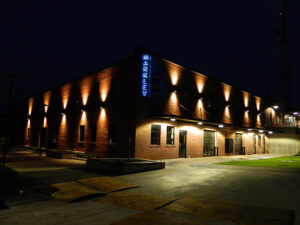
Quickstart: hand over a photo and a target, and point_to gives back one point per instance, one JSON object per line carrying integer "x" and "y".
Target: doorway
{"x": 209, "y": 143}
{"x": 238, "y": 144}
{"x": 182, "y": 143}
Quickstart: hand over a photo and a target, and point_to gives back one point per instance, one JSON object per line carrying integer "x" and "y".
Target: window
{"x": 259, "y": 141}
{"x": 170, "y": 135}
{"x": 112, "y": 133}
{"x": 93, "y": 133}
{"x": 81, "y": 133}
{"x": 155, "y": 134}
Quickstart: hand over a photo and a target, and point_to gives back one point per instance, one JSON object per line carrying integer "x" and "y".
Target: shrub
{"x": 298, "y": 153}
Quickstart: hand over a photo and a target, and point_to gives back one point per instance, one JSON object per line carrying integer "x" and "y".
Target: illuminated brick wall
{"x": 94, "y": 101}
{"x": 112, "y": 97}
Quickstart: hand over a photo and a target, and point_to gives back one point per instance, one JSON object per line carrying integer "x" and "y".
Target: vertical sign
{"x": 146, "y": 75}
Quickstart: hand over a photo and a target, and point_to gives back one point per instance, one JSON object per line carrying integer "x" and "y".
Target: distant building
{"x": 148, "y": 107}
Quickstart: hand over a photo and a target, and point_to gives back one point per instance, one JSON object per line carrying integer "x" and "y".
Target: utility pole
{"x": 284, "y": 52}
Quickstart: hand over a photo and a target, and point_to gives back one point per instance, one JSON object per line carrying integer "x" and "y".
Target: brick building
{"x": 148, "y": 107}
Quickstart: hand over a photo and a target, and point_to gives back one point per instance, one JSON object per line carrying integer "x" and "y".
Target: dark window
{"x": 170, "y": 135}
{"x": 228, "y": 145}
{"x": 112, "y": 133}
{"x": 81, "y": 133}
{"x": 155, "y": 134}
{"x": 259, "y": 141}
{"x": 93, "y": 133}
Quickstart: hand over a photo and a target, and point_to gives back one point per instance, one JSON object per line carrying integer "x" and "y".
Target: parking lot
{"x": 198, "y": 178}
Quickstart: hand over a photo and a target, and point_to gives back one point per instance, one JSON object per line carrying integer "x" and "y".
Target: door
{"x": 209, "y": 143}
{"x": 254, "y": 143}
{"x": 238, "y": 144}
{"x": 182, "y": 143}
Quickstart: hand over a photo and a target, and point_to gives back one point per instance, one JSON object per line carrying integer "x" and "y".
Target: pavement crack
{"x": 164, "y": 205}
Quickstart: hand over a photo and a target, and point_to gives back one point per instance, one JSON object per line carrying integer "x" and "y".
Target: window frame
{"x": 157, "y": 133}
{"x": 172, "y": 137}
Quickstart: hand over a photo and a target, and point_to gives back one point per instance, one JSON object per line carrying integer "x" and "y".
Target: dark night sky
{"x": 50, "y": 42}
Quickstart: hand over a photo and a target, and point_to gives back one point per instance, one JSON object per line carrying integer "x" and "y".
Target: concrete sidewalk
{"x": 180, "y": 179}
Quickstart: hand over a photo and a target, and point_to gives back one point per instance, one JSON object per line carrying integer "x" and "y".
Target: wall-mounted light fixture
{"x": 200, "y": 96}
{"x": 199, "y": 123}
{"x": 83, "y": 108}
{"x": 249, "y": 129}
{"x": 102, "y": 105}
{"x": 174, "y": 89}
{"x": 260, "y": 131}
{"x": 227, "y": 104}
{"x": 270, "y": 132}
{"x": 220, "y": 125}
{"x": 295, "y": 113}
{"x": 275, "y": 107}
{"x": 173, "y": 119}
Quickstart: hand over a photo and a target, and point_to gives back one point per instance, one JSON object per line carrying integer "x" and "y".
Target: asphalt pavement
{"x": 196, "y": 178}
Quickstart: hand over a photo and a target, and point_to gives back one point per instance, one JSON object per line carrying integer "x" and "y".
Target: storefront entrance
{"x": 182, "y": 143}
{"x": 209, "y": 143}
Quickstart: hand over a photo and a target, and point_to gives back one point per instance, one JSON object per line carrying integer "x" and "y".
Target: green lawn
{"x": 280, "y": 162}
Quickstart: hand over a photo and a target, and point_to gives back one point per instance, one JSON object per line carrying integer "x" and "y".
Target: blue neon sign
{"x": 146, "y": 75}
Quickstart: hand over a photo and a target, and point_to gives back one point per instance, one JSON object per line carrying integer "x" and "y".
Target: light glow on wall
{"x": 258, "y": 122}
{"x": 174, "y": 78}
{"x": 102, "y": 129}
{"x": 30, "y": 105}
{"x": 83, "y": 118}
{"x": 246, "y": 119}
{"x": 199, "y": 110}
{"x": 172, "y": 105}
{"x": 102, "y": 114}
{"x": 63, "y": 119}
{"x": 174, "y": 73}
{"x": 200, "y": 81}
{"x": 226, "y": 91}
{"x": 85, "y": 87}
{"x": 258, "y": 103}
{"x": 174, "y": 97}
{"x": 28, "y": 123}
{"x": 45, "y": 122}
{"x": 47, "y": 96}
{"x": 227, "y": 116}
{"x": 104, "y": 89}
{"x": 65, "y": 94}
{"x": 246, "y": 99}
